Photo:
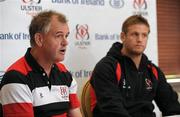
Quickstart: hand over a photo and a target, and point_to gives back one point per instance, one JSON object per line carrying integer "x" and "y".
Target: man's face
{"x": 55, "y": 41}
{"x": 135, "y": 40}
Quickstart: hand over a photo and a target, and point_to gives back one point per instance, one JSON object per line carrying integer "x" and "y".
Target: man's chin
{"x": 59, "y": 59}
{"x": 138, "y": 53}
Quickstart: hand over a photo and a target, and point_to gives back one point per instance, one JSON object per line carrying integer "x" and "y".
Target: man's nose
{"x": 65, "y": 41}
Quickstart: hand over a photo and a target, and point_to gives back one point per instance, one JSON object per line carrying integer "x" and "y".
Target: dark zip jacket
{"x": 132, "y": 94}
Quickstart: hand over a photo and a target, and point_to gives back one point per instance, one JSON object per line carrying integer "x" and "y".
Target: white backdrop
{"x": 94, "y": 26}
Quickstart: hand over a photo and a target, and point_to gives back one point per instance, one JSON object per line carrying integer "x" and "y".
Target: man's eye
{"x": 67, "y": 35}
{"x": 59, "y": 36}
{"x": 145, "y": 35}
{"x": 134, "y": 34}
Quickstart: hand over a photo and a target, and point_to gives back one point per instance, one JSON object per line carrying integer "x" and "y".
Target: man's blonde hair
{"x": 132, "y": 20}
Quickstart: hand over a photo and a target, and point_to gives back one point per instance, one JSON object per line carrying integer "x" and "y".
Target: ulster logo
{"x": 32, "y": 1}
{"x": 31, "y": 7}
{"x": 148, "y": 84}
{"x": 140, "y": 7}
{"x": 82, "y": 31}
{"x": 64, "y": 93}
{"x": 82, "y": 36}
{"x": 140, "y": 4}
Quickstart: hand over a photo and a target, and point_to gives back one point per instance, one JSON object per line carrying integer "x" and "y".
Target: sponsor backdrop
{"x": 94, "y": 26}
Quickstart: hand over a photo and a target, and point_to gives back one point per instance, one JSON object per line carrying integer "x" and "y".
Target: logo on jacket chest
{"x": 148, "y": 84}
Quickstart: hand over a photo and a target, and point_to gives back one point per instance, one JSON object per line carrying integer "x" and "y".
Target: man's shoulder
{"x": 108, "y": 59}
{"x": 16, "y": 73}
{"x": 61, "y": 67}
{"x": 107, "y": 62}
{"x": 21, "y": 66}
{"x": 155, "y": 70}
{"x": 154, "y": 66}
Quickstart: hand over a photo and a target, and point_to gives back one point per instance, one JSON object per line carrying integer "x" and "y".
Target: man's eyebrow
{"x": 59, "y": 32}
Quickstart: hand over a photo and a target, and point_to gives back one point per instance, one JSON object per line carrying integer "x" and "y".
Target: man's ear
{"x": 38, "y": 39}
{"x": 123, "y": 36}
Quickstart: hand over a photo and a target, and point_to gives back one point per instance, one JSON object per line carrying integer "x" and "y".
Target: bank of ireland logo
{"x": 116, "y": 3}
{"x": 82, "y": 36}
{"x": 31, "y": 7}
{"x": 140, "y": 4}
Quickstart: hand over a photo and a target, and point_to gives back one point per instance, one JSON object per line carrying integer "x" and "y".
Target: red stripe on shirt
{"x": 21, "y": 66}
{"x": 118, "y": 72}
{"x": 61, "y": 67}
{"x": 74, "y": 102}
{"x": 18, "y": 110}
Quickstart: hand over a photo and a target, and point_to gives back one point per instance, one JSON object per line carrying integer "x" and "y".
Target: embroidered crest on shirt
{"x": 64, "y": 92}
{"x": 148, "y": 84}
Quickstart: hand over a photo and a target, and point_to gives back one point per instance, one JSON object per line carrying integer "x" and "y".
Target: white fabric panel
{"x": 15, "y": 93}
{"x": 43, "y": 95}
{"x": 73, "y": 87}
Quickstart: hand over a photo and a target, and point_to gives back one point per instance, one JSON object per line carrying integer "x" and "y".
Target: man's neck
{"x": 136, "y": 60}
{"x": 134, "y": 57}
{"x": 41, "y": 60}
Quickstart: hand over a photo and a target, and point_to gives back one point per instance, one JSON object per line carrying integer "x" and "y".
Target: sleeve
{"x": 74, "y": 102}
{"x": 108, "y": 95}
{"x": 166, "y": 98}
{"x": 15, "y": 96}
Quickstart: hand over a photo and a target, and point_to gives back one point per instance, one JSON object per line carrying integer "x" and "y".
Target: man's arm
{"x": 15, "y": 96}
{"x": 74, "y": 110}
{"x": 108, "y": 95}
{"x": 166, "y": 98}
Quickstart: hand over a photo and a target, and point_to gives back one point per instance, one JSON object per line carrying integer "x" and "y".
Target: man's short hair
{"x": 132, "y": 20}
{"x": 41, "y": 23}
